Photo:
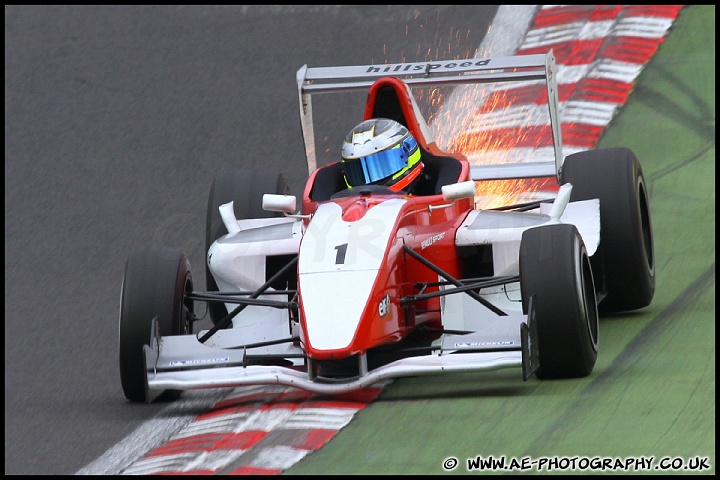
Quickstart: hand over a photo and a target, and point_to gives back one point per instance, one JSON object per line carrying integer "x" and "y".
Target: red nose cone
{"x": 356, "y": 210}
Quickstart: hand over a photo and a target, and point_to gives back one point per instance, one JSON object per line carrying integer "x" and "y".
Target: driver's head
{"x": 383, "y": 152}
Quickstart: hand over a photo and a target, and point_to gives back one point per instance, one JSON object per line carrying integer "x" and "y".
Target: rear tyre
{"x": 624, "y": 264}
{"x": 245, "y": 189}
{"x": 555, "y": 269}
{"x": 156, "y": 283}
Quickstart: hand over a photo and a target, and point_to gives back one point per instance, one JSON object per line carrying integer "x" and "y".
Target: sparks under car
{"x": 345, "y": 287}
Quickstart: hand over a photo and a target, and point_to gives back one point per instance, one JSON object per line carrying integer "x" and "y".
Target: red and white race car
{"x": 363, "y": 284}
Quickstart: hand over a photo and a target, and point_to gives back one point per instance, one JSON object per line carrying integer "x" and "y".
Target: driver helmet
{"x": 382, "y": 152}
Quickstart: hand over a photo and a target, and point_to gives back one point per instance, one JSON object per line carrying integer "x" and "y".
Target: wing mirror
{"x": 455, "y": 191}
{"x": 279, "y": 203}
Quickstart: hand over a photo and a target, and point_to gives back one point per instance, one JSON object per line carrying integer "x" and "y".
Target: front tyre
{"x": 555, "y": 269}
{"x": 156, "y": 283}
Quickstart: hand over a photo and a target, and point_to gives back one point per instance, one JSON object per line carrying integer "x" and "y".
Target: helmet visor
{"x": 380, "y": 165}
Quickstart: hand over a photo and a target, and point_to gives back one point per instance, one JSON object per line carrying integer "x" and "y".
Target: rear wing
{"x": 318, "y": 80}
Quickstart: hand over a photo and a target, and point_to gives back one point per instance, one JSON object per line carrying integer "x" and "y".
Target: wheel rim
{"x": 647, "y": 239}
{"x": 186, "y": 308}
{"x": 589, "y": 301}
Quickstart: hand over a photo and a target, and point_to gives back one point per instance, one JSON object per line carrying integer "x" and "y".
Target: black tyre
{"x": 555, "y": 269}
{"x": 245, "y": 189}
{"x": 155, "y": 284}
{"x": 624, "y": 264}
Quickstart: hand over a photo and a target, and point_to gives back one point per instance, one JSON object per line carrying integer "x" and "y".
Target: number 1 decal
{"x": 340, "y": 255}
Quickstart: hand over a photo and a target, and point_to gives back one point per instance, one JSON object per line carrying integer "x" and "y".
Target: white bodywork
{"x": 334, "y": 294}
{"x": 237, "y": 262}
{"x": 503, "y": 230}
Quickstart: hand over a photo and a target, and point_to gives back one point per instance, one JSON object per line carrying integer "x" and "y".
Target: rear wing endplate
{"x": 536, "y": 67}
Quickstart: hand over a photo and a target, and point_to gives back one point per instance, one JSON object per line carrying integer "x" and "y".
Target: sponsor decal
{"x": 384, "y": 306}
{"x": 429, "y": 241}
{"x": 199, "y": 361}
{"x": 426, "y": 67}
{"x": 484, "y": 344}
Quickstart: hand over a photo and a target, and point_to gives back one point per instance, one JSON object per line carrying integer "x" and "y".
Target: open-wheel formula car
{"x": 362, "y": 284}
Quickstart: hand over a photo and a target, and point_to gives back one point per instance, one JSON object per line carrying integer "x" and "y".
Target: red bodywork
{"x": 429, "y": 233}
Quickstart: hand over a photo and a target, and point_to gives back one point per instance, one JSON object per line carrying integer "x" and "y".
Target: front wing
{"x": 183, "y": 363}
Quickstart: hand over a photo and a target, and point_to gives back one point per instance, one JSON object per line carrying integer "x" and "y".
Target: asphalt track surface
{"x": 116, "y": 121}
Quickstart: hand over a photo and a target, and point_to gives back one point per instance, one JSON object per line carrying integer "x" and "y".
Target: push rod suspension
{"x": 225, "y": 321}
{"x": 452, "y": 280}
